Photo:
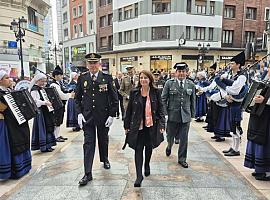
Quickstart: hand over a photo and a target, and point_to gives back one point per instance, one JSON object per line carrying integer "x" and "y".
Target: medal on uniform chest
{"x": 103, "y": 87}
{"x": 85, "y": 85}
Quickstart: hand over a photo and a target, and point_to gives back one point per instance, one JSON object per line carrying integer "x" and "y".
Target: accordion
{"x": 256, "y": 88}
{"x": 54, "y": 98}
{"x": 22, "y": 105}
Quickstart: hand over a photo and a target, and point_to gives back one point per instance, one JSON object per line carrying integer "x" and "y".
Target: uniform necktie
{"x": 181, "y": 84}
{"x": 131, "y": 80}
{"x": 94, "y": 77}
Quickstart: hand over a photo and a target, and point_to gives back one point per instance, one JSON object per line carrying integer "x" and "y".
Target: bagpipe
{"x": 222, "y": 83}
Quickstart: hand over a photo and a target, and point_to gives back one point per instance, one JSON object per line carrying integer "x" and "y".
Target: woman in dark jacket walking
{"x": 144, "y": 122}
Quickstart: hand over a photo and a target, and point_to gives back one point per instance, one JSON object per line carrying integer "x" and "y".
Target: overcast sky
{"x": 53, "y": 4}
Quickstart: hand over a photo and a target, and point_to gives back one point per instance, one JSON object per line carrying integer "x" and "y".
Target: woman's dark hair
{"x": 149, "y": 76}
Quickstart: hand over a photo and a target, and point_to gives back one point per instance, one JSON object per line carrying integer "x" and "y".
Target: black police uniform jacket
{"x": 134, "y": 116}
{"x": 96, "y": 99}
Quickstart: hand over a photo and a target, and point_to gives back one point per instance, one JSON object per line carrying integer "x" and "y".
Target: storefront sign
{"x": 129, "y": 59}
{"x": 226, "y": 57}
{"x": 12, "y": 44}
{"x": 161, "y": 57}
{"x": 79, "y": 50}
{"x": 196, "y": 57}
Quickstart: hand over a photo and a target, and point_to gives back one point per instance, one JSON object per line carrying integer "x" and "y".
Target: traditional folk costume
{"x": 235, "y": 86}
{"x": 59, "y": 114}
{"x": 15, "y": 159}
{"x": 43, "y": 138}
{"x": 201, "y": 101}
{"x": 72, "y": 115}
{"x": 258, "y": 147}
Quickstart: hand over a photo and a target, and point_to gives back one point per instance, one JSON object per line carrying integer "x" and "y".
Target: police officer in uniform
{"x": 96, "y": 102}
{"x": 157, "y": 79}
{"x": 179, "y": 98}
{"x": 127, "y": 84}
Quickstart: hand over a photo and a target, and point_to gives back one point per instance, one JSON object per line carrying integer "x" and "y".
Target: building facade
{"x": 79, "y": 31}
{"x": 33, "y": 47}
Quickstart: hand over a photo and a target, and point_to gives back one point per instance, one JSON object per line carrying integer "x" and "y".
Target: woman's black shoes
{"x": 138, "y": 182}
{"x": 147, "y": 170}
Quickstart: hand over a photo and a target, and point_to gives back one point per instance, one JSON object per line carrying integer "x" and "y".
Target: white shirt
{"x": 63, "y": 96}
{"x": 96, "y": 74}
{"x": 183, "y": 82}
{"x": 35, "y": 95}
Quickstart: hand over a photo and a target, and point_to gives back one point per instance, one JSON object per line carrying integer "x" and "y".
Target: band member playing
{"x": 96, "y": 102}
{"x": 236, "y": 84}
{"x": 143, "y": 132}
{"x": 258, "y": 150}
{"x": 179, "y": 97}
{"x": 59, "y": 114}
{"x": 15, "y": 139}
{"x": 72, "y": 120}
{"x": 201, "y": 101}
{"x": 43, "y": 138}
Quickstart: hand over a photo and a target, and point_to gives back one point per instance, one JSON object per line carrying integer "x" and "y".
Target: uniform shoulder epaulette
{"x": 85, "y": 73}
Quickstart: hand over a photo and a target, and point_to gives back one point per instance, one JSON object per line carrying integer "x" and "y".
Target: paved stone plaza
{"x": 209, "y": 176}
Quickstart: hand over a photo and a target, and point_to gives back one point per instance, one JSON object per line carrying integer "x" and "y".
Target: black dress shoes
{"x": 220, "y": 139}
{"x": 86, "y": 178}
{"x": 168, "y": 151}
{"x": 232, "y": 153}
{"x": 64, "y": 138}
{"x": 183, "y": 164}
{"x": 138, "y": 182}
{"x": 214, "y": 137}
{"x": 262, "y": 177}
{"x": 227, "y": 151}
{"x": 59, "y": 139}
{"x": 76, "y": 129}
{"x": 176, "y": 141}
{"x": 107, "y": 165}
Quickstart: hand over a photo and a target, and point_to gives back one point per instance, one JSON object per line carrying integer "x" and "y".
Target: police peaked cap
{"x": 156, "y": 72}
{"x": 181, "y": 66}
{"x": 239, "y": 58}
{"x": 93, "y": 57}
{"x": 214, "y": 66}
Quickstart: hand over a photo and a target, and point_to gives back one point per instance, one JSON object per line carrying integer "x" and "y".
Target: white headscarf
{"x": 72, "y": 75}
{"x": 202, "y": 73}
{"x": 2, "y": 74}
{"x": 37, "y": 77}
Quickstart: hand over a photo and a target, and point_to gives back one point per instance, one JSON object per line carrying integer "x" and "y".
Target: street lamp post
{"x": 202, "y": 51}
{"x": 19, "y": 31}
{"x": 55, "y": 49}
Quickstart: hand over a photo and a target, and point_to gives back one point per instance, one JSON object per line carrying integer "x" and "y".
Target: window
{"x": 199, "y": 33}
{"x": 127, "y": 12}
{"x": 65, "y": 17}
{"x": 74, "y": 12}
{"x": 110, "y": 19}
{"x": 211, "y": 34}
{"x": 110, "y": 42}
{"x": 120, "y": 17}
{"x": 32, "y": 19}
{"x": 188, "y": 6}
{"x": 75, "y": 29}
{"x": 90, "y": 6}
{"x": 251, "y": 13}
{"x": 229, "y": 12}
{"x": 136, "y": 32}
{"x": 103, "y": 21}
{"x": 161, "y": 33}
{"x": 128, "y": 36}
{"x": 136, "y": 12}
{"x": 267, "y": 14}
{"x": 103, "y": 42}
{"x": 109, "y": 1}
{"x": 200, "y": 6}
{"x": 64, "y": 3}
{"x": 188, "y": 32}
{"x": 102, "y": 3}
{"x": 212, "y": 7}
{"x": 227, "y": 36}
{"x": 91, "y": 26}
{"x": 65, "y": 32}
{"x": 80, "y": 10}
{"x": 80, "y": 28}
{"x": 161, "y": 6}
{"x": 249, "y": 36}
{"x": 120, "y": 38}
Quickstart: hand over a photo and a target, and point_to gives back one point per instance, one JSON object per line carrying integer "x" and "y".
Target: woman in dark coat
{"x": 144, "y": 122}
